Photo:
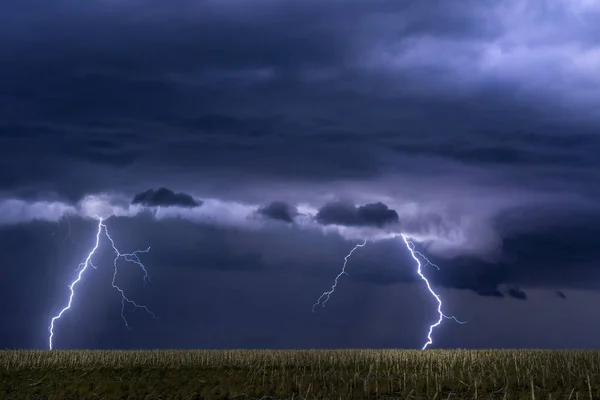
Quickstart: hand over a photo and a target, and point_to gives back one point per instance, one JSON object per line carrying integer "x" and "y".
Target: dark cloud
{"x": 494, "y": 147}
{"x": 191, "y": 98}
{"x": 516, "y": 293}
{"x": 544, "y": 249}
{"x": 220, "y": 273}
{"x": 279, "y": 210}
{"x": 461, "y": 118}
{"x": 487, "y": 292}
{"x": 345, "y": 213}
{"x": 222, "y": 124}
{"x": 547, "y": 251}
{"x": 165, "y": 197}
{"x": 551, "y": 256}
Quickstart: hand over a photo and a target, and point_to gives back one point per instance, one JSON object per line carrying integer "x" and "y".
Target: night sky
{"x": 253, "y": 143}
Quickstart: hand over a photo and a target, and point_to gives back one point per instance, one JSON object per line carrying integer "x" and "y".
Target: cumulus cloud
{"x": 279, "y": 210}
{"x": 165, "y": 197}
{"x": 345, "y": 213}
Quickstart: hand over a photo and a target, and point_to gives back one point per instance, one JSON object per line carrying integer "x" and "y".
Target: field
{"x": 300, "y": 374}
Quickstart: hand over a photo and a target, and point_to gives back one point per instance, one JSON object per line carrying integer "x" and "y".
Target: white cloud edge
{"x": 456, "y": 238}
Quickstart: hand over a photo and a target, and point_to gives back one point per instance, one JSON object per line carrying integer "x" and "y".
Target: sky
{"x": 253, "y": 144}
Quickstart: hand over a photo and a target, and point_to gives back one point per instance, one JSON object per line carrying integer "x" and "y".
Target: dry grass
{"x": 300, "y": 374}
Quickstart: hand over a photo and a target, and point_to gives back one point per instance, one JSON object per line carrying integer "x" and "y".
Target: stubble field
{"x": 300, "y": 374}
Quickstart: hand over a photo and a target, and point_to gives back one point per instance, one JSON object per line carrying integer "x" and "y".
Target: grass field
{"x": 300, "y": 374}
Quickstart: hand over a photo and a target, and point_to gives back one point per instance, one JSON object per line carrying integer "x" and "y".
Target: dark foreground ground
{"x": 304, "y": 374}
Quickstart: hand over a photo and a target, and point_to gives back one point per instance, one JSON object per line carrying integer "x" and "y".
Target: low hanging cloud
{"x": 279, "y": 210}
{"x": 347, "y": 214}
{"x": 518, "y": 262}
{"x": 516, "y": 293}
{"x": 165, "y": 197}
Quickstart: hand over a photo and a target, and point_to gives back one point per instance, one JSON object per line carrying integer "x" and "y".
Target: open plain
{"x": 300, "y": 374}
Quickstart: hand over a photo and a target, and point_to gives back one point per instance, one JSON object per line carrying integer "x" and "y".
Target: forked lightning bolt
{"x": 130, "y": 257}
{"x": 414, "y": 253}
{"x": 325, "y": 296}
{"x": 411, "y": 248}
{"x": 81, "y": 268}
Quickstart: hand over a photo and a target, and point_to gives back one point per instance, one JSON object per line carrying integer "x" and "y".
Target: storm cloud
{"x": 165, "y": 197}
{"x": 279, "y": 210}
{"x": 345, "y": 213}
{"x": 516, "y": 293}
{"x": 470, "y": 127}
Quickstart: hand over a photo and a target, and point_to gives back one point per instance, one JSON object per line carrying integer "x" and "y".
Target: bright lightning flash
{"x": 415, "y": 255}
{"x": 411, "y": 248}
{"x": 325, "y": 296}
{"x": 130, "y": 257}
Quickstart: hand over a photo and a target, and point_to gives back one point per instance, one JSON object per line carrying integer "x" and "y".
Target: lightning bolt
{"x": 411, "y": 248}
{"x": 415, "y": 255}
{"x": 130, "y": 257}
{"x": 325, "y": 296}
{"x": 427, "y": 262}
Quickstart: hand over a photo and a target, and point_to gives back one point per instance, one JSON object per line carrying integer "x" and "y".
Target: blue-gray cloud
{"x": 474, "y": 125}
{"x": 165, "y": 197}
{"x": 516, "y": 293}
{"x": 279, "y": 210}
{"x": 345, "y": 213}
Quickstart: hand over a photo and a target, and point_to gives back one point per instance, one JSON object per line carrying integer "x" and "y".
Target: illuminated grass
{"x": 300, "y": 374}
